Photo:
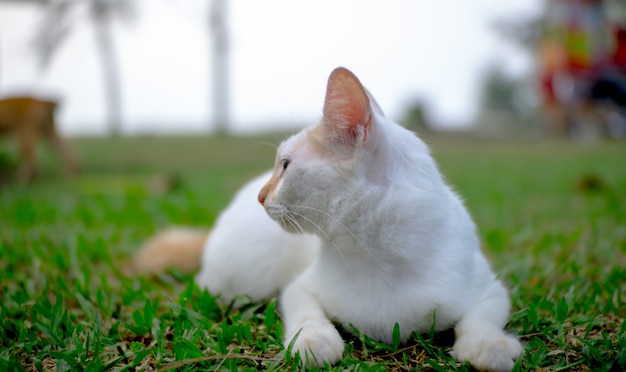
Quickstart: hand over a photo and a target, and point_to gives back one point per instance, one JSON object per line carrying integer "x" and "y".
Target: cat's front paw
{"x": 489, "y": 351}
{"x": 317, "y": 344}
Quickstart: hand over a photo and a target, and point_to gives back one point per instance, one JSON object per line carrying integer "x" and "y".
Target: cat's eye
{"x": 285, "y": 164}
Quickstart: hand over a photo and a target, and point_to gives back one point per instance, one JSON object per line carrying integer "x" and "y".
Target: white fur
{"x": 249, "y": 254}
{"x": 394, "y": 244}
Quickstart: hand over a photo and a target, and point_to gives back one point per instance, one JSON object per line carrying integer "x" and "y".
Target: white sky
{"x": 282, "y": 53}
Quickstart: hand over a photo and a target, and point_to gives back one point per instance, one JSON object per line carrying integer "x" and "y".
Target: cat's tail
{"x": 179, "y": 248}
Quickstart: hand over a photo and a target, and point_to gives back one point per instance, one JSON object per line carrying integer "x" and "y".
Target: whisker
{"x": 322, "y": 231}
{"x": 262, "y": 143}
{"x": 334, "y": 219}
{"x": 312, "y": 223}
{"x": 291, "y": 219}
{"x": 285, "y": 221}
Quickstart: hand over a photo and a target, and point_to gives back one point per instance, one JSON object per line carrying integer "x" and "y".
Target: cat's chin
{"x": 290, "y": 228}
{"x": 289, "y": 224}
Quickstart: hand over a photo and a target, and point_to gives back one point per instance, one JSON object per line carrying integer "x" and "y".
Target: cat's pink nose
{"x": 262, "y": 198}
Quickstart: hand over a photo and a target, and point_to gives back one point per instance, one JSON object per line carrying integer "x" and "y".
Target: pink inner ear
{"x": 347, "y": 108}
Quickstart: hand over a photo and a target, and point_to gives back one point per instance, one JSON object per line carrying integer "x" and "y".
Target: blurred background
{"x": 165, "y": 107}
{"x": 208, "y": 66}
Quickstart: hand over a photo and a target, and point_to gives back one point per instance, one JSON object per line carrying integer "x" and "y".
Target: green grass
{"x": 552, "y": 216}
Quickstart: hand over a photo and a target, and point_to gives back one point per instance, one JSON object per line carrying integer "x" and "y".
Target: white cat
{"x": 363, "y": 231}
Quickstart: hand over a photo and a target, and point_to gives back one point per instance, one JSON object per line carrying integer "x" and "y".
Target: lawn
{"x": 552, "y": 216}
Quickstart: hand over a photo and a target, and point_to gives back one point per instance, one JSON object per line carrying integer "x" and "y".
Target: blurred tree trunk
{"x": 220, "y": 75}
{"x": 101, "y": 20}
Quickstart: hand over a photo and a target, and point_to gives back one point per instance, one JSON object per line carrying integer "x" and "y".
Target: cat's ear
{"x": 347, "y": 111}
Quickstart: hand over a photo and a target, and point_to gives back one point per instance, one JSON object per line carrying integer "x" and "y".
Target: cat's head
{"x": 320, "y": 168}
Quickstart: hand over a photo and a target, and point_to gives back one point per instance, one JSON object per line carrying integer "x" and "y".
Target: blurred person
{"x": 551, "y": 57}
{"x": 571, "y": 53}
{"x": 607, "y": 96}
{"x": 29, "y": 118}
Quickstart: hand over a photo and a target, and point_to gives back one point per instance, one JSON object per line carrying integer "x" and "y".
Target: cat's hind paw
{"x": 489, "y": 351}
{"x": 317, "y": 345}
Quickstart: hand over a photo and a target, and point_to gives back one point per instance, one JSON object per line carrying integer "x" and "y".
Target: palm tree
{"x": 56, "y": 26}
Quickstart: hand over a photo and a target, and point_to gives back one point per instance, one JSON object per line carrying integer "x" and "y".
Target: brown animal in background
{"x": 29, "y": 118}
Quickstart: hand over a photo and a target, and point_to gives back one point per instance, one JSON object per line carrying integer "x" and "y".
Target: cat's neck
{"x": 386, "y": 223}
{"x": 401, "y": 158}
{"x": 358, "y": 256}
{"x": 362, "y": 225}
